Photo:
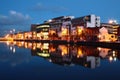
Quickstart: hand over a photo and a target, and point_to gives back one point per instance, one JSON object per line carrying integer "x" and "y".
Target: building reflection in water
{"x": 86, "y": 56}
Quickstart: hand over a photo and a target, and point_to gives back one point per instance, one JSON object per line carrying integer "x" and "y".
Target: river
{"x": 47, "y": 61}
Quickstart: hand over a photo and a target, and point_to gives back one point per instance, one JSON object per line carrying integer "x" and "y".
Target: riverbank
{"x": 112, "y": 45}
{"x": 6, "y": 39}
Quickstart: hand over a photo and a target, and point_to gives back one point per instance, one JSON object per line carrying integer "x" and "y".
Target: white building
{"x": 104, "y": 35}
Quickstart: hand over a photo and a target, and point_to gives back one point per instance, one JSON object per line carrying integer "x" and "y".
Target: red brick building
{"x": 91, "y": 34}
{"x": 118, "y": 34}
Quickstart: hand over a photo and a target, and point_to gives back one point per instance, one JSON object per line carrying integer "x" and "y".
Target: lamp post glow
{"x": 13, "y": 30}
{"x": 10, "y": 31}
{"x": 112, "y": 22}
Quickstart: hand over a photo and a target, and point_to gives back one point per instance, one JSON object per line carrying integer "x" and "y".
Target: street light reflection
{"x": 68, "y": 54}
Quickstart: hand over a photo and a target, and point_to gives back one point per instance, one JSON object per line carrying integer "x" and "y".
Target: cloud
{"x": 14, "y": 18}
{"x": 48, "y": 8}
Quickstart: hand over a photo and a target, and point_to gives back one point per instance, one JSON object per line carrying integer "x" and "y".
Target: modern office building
{"x": 86, "y": 21}
{"x": 40, "y": 31}
{"x": 60, "y": 27}
{"x": 84, "y": 26}
{"x": 112, "y": 28}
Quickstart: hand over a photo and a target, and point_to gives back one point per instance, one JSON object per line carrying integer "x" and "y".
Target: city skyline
{"x": 21, "y": 14}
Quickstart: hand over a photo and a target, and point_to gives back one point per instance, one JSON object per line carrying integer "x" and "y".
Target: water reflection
{"x": 13, "y": 55}
{"x": 68, "y": 55}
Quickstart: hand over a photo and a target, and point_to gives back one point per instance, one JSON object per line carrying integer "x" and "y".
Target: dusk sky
{"x": 20, "y": 14}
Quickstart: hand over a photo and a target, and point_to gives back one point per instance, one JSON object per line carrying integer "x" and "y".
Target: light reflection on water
{"x": 84, "y": 57}
{"x": 8, "y": 54}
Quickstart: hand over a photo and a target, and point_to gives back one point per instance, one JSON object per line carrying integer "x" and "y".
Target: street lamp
{"x": 14, "y": 30}
{"x": 112, "y": 21}
{"x": 10, "y": 31}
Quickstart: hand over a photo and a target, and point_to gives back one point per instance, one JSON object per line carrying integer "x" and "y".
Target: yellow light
{"x": 7, "y": 36}
{"x": 42, "y": 26}
{"x": 38, "y": 35}
{"x": 113, "y": 52}
{"x": 80, "y": 54}
{"x": 45, "y": 33}
{"x": 30, "y": 45}
{"x": 19, "y": 44}
{"x": 26, "y": 46}
{"x": 52, "y": 32}
{"x": 34, "y": 48}
{"x": 110, "y": 21}
{"x": 52, "y": 49}
{"x": 107, "y": 40}
{"x": 8, "y": 43}
{"x": 10, "y": 39}
{"x": 22, "y": 43}
{"x": 63, "y": 49}
{"x": 110, "y": 58}
{"x": 79, "y": 30}
{"x": 99, "y": 36}
{"x": 43, "y": 54}
{"x": 14, "y": 42}
{"x": 99, "y": 48}
{"x": 38, "y": 45}
{"x": 29, "y": 35}
{"x": 64, "y": 31}
{"x": 46, "y": 46}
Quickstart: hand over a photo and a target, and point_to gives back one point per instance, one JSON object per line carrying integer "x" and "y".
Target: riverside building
{"x": 69, "y": 28}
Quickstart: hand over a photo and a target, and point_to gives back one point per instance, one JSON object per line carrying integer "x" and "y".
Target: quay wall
{"x": 112, "y": 45}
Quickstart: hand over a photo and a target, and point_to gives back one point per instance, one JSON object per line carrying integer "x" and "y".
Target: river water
{"x": 47, "y": 61}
